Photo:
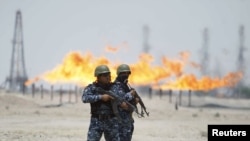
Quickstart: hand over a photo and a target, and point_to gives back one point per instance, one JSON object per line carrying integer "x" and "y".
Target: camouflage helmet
{"x": 123, "y": 68}
{"x": 101, "y": 69}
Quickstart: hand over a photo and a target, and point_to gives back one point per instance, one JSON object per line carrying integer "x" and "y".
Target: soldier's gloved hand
{"x": 124, "y": 106}
{"x": 137, "y": 100}
{"x": 133, "y": 92}
{"x": 106, "y": 97}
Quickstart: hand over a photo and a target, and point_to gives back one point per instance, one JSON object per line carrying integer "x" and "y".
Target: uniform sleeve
{"x": 128, "y": 96}
{"x": 88, "y": 95}
{"x": 117, "y": 89}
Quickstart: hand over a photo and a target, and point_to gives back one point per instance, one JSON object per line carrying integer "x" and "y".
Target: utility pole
{"x": 17, "y": 76}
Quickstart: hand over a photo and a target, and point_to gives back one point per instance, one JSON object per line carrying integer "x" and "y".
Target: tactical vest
{"x": 100, "y": 107}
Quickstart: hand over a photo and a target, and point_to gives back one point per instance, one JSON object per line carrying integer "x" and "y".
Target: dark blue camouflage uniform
{"x": 126, "y": 127}
{"x": 99, "y": 123}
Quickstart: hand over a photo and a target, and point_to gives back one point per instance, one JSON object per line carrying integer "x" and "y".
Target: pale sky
{"x": 53, "y": 28}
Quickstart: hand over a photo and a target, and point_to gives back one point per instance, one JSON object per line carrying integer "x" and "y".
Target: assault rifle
{"x": 117, "y": 100}
{"x": 133, "y": 102}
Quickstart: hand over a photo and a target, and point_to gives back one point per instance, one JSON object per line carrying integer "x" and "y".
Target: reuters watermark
{"x": 229, "y": 131}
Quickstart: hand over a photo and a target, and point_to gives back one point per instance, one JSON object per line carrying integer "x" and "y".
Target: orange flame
{"x": 144, "y": 73}
{"x": 111, "y": 49}
{"x": 190, "y": 82}
{"x": 79, "y": 68}
{"x": 76, "y": 68}
{"x": 31, "y": 81}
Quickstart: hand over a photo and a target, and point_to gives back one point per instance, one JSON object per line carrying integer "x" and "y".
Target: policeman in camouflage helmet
{"x": 103, "y": 120}
{"x": 121, "y": 88}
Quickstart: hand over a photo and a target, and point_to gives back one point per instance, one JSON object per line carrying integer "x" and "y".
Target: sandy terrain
{"x": 23, "y": 118}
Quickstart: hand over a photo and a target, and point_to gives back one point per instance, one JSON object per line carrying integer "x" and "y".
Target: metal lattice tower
{"x": 146, "y": 46}
{"x": 205, "y": 56}
{"x": 18, "y": 74}
{"x": 241, "y": 59}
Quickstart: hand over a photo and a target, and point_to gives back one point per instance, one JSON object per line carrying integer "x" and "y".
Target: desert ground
{"x": 27, "y": 118}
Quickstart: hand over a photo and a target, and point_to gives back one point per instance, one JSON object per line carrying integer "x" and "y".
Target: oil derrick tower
{"x": 205, "y": 56}
{"x": 146, "y": 46}
{"x": 145, "y": 49}
{"x": 241, "y": 59}
{"x": 17, "y": 76}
